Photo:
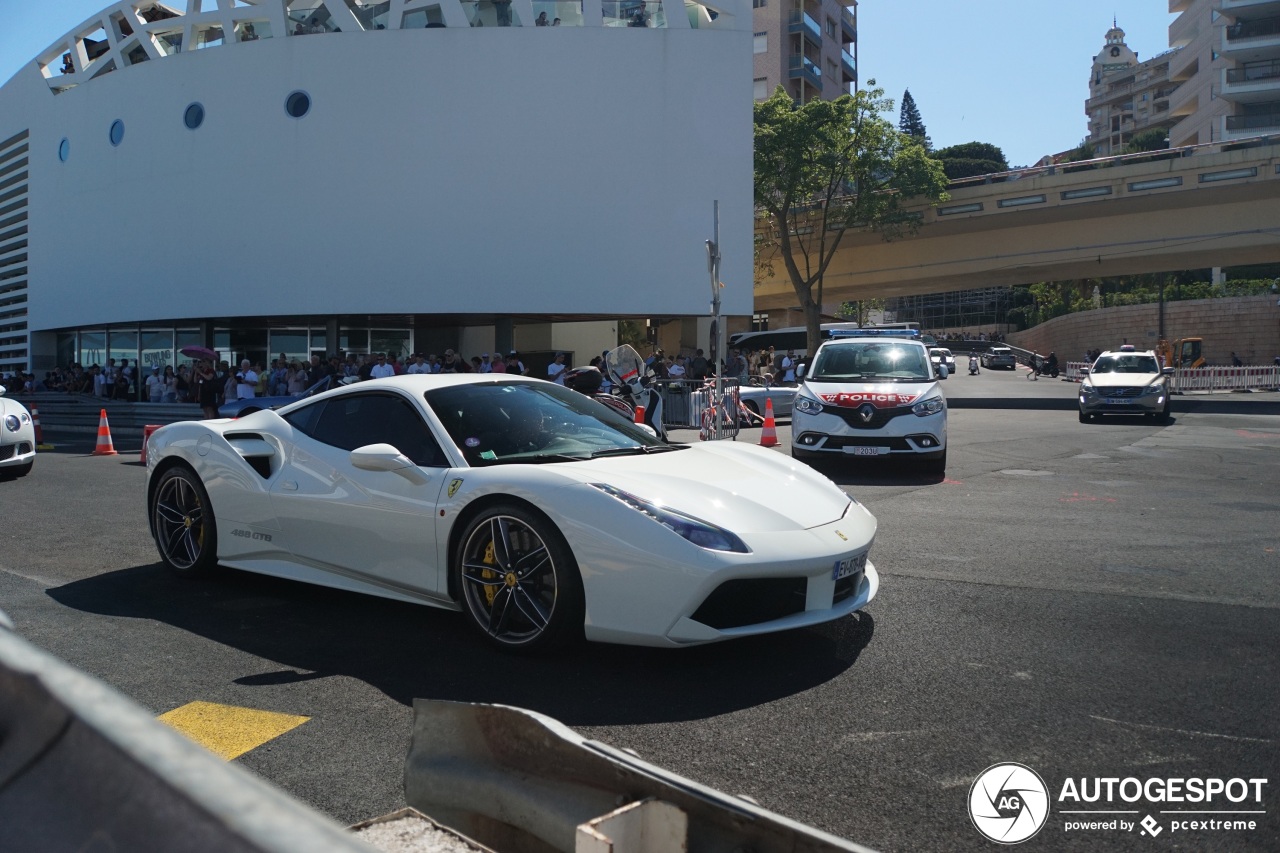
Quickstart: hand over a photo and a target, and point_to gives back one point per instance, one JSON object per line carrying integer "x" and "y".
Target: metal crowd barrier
{"x": 1207, "y": 379}
{"x": 687, "y": 403}
{"x": 1210, "y": 379}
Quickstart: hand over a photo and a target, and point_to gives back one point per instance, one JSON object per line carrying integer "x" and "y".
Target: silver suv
{"x": 999, "y": 357}
{"x": 1127, "y": 382}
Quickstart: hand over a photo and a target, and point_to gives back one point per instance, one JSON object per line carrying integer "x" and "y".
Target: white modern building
{"x": 264, "y": 176}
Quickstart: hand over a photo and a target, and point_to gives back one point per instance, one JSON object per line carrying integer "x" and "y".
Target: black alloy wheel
{"x": 519, "y": 582}
{"x": 182, "y": 523}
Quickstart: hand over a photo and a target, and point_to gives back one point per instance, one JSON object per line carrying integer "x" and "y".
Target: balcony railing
{"x": 801, "y": 22}
{"x": 1258, "y": 122}
{"x": 1256, "y": 71}
{"x": 802, "y": 67}
{"x": 848, "y": 26}
{"x": 1253, "y": 29}
{"x": 848, "y": 66}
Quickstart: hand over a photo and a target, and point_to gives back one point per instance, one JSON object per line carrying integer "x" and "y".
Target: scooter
{"x": 973, "y": 365}
{"x": 588, "y": 381}
{"x": 636, "y": 383}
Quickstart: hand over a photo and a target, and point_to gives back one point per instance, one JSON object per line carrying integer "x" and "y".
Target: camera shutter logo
{"x": 1008, "y": 803}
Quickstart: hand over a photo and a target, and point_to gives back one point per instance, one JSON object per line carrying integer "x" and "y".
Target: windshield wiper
{"x": 634, "y": 449}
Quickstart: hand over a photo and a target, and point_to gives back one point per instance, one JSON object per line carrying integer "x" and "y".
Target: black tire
{"x": 518, "y": 581}
{"x": 935, "y": 464}
{"x": 1085, "y": 417}
{"x": 182, "y": 523}
{"x": 24, "y": 470}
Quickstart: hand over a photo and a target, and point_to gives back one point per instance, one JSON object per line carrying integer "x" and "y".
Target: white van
{"x": 873, "y": 396}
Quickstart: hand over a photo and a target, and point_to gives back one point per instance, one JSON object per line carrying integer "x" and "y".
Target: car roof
{"x": 1120, "y": 352}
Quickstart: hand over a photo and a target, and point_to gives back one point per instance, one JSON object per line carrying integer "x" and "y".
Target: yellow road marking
{"x": 228, "y": 731}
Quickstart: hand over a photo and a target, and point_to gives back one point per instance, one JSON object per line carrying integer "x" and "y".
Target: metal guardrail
{"x": 84, "y": 768}
{"x": 81, "y": 412}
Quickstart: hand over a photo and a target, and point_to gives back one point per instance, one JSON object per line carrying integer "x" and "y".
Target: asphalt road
{"x": 1090, "y": 600}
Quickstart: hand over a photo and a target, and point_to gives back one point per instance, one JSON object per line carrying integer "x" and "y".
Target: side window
{"x": 304, "y": 419}
{"x": 355, "y": 420}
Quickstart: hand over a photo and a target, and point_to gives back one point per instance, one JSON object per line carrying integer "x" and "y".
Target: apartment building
{"x": 809, "y": 47}
{"x": 1219, "y": 81}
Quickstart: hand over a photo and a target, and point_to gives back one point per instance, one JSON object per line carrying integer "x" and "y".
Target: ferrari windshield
{"x": 503, "y": 422}
{"x": 879, "y": 360}
{"x": 1125, "y": 364}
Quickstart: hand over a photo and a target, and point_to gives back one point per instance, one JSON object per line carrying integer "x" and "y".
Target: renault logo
{"x": 866, "y": 411}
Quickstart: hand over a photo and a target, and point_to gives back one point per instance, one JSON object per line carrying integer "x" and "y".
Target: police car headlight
{"x": 807, "y": 405}
{"x": 12, "y": 423}
{"x": 931, "y": 406}
{"x": 697, "y": 531}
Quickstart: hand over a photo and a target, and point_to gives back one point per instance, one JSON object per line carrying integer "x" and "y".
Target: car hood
{"x": 740, "y": 487}
{"x": 11, "y": 407}
{"x": 1121, "y": 380}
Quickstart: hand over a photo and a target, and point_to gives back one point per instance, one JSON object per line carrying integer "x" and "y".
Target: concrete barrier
{"x": 517, "y": 780}
{"x": 83, "y": 768}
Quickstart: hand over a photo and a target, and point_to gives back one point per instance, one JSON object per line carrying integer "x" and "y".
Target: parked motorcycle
{"x": 973, "y": 364}
{"x": 636, "y": 383}
{"x": 589, "y": 381}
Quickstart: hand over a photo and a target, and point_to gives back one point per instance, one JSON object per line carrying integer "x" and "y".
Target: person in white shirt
{"x": 155, "y": 386}
{"x": 246, "y": 382}
{"x": 555, "y": 370}
{"x": 419, "y": 365}
{"x": 675, "y": 368}
{"x": 381, "y": 370}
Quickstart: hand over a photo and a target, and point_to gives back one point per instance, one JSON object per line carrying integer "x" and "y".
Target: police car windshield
{"x": 866, "y": 361}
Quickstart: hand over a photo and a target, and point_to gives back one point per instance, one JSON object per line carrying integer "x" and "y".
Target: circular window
{"x": 117, "y": 131}
{"x": 297, "y": 104}
{"x": 194, "y": 116}
{"x": 64, "y": 149}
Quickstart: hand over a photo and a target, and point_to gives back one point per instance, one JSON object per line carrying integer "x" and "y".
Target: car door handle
{"x": 288, "y": 485}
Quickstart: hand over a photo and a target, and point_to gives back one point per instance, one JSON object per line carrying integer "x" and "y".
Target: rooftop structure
{"x": 336, "y": 173}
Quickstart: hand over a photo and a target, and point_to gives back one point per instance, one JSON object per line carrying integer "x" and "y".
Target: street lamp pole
{"x": 713, "y": 267}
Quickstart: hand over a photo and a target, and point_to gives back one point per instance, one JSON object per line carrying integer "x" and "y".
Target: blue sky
{"x": 1011, "y": 72}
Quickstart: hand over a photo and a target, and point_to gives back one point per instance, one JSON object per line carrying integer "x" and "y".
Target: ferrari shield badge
{"x": 454, "y": 486}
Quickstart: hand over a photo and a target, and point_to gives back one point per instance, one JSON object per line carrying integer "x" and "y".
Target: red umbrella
{"x": 199, "y": 352}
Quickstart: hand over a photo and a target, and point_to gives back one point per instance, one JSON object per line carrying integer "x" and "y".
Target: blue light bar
{"x": 875, "y": 333}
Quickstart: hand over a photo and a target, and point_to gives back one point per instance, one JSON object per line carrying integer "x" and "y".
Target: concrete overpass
{"x": 1190, "y": 208}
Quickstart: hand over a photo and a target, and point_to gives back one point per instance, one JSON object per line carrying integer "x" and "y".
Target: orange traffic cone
{"x": 104, "y": 448}
{"x": 35, "y": 422}
{"x": 769, "y": 434}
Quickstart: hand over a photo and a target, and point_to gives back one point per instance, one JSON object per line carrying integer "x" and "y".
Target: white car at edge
{"x": 871, "y": 396}
{"x": 17, "y": 438}
{"x": 538, "y": 512}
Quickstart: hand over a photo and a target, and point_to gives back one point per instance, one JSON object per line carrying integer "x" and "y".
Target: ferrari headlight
{"x": 807, "y": 405}
{"x": 698, "y": 532}
{"x": 12, "y": 423}
{"x": 931, "y": 406}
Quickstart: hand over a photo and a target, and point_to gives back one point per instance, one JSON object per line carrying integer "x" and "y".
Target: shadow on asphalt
{"x": 410, "y": 651}
{"x": 874, "y": 472}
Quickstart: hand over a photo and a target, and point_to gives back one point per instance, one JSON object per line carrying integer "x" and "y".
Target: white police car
{"x": 871, "y": 394}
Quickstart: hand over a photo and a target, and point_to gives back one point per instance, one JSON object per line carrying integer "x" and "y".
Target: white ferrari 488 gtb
{"x": 538, "y": 512}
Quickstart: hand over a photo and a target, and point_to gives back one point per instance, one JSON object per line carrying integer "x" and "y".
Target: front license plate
{"x": 1119, "y": 401}
{"x": 864, "y": 451}
{"x": 849, "y": 566}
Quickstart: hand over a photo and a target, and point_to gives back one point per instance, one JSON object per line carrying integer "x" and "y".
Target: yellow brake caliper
{"x": 490, "y": 592}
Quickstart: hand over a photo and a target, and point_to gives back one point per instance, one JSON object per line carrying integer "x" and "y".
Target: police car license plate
{"x": 849, "y": 566}
{"x": 863, "y": 451}
{"x": 1121, "y": 401}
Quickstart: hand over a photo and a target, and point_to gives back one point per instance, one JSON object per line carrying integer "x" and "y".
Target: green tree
{"x": 1151, "y": 139}
{"x": 825, "y": 167}
{"x": 970, "y": 159}
{"x": 1083, "y": 151}
{"x": 910, "y": 123}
